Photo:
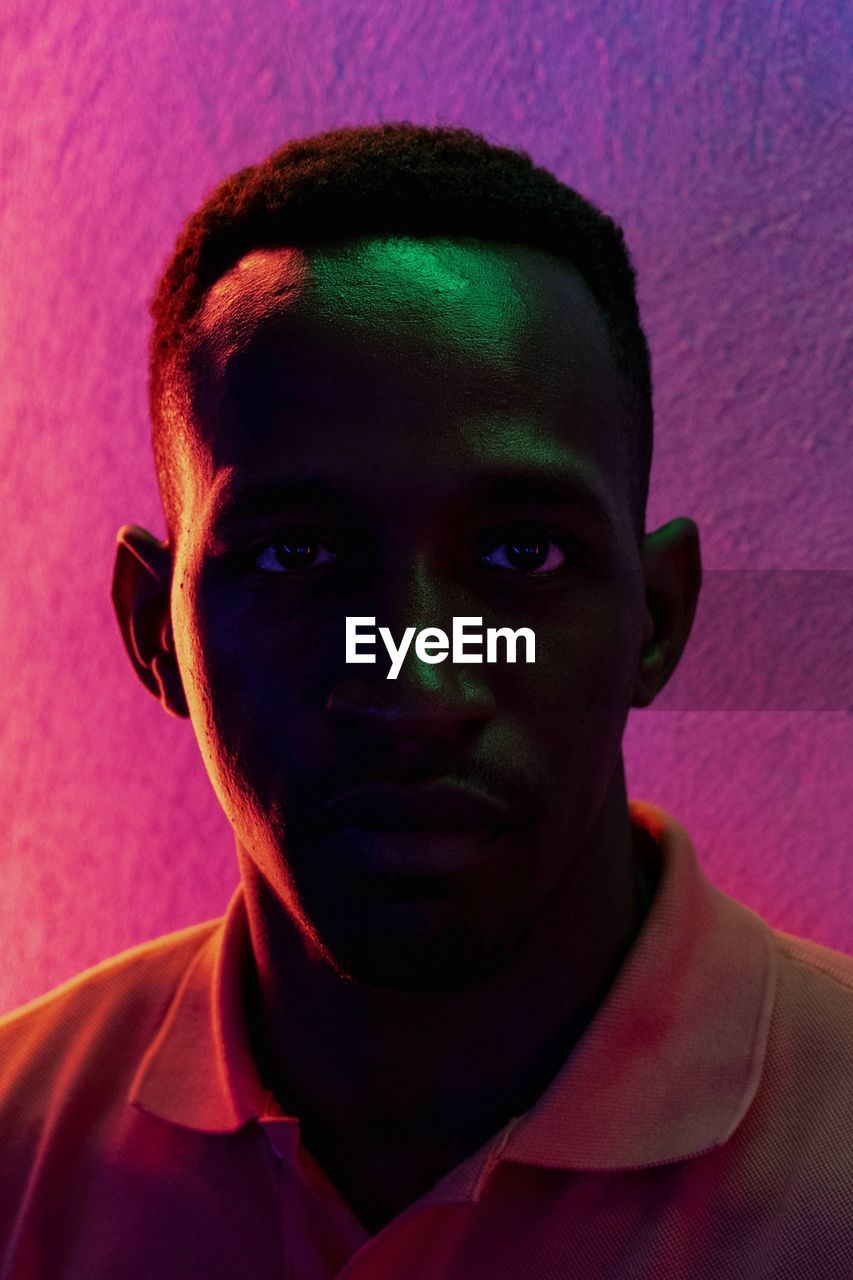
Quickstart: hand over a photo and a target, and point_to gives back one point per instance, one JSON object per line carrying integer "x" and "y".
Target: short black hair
{"x": 406, "y": 179}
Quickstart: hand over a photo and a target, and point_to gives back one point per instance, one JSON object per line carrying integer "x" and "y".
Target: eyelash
{"x": 530, "y": 534}
{"x": 517, "y": 536}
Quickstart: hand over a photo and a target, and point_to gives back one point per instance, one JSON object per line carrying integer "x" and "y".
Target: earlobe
{"x": 672, "y": 568}
{"x": 651, "y": 676}
{"x": 141, "y": 587}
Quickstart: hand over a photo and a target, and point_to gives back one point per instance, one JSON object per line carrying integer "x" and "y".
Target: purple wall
{"x": 719, "y": 135}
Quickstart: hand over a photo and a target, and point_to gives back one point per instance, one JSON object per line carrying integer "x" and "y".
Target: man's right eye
{"x": 286, "y": 555}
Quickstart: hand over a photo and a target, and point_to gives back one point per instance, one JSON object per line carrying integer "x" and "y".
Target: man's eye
{"x": 527, "y": 553}
{"x": 291, "y": 554}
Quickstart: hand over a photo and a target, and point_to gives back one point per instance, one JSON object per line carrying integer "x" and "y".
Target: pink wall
{"x": 718, "y": 135}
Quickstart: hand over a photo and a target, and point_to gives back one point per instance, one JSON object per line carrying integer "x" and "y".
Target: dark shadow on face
{"x": 409, "y": 431}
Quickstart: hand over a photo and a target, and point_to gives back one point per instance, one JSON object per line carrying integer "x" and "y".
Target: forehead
{"x": 502, "y": 307}
{"x": 368, "y": 344}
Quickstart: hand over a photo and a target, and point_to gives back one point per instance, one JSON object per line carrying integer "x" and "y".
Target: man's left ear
{"x": 672, "y": 567}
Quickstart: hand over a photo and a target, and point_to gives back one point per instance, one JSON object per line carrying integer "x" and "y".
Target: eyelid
{"x": 293, "y": 534}
{"x": 506, "y": 533}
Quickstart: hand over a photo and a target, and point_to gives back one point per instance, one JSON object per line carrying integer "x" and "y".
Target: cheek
{"x": 270, "y": 641}
{"x": 219, "y": 686}
{"x": 588, "y": 664}
{"x": 256, "y": 685}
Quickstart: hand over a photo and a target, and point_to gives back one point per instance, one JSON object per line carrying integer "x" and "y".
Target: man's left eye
{"x": 531, "y": 554}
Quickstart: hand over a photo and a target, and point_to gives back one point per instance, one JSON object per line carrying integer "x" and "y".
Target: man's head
{"x": 385, "y": 407}
{"x": 397, "y": 179}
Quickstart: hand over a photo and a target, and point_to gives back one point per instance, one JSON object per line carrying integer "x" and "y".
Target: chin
{"x": 416, "y": 947}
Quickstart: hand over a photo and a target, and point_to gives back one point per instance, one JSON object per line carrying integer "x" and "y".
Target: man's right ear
{"x": 142, "y": 579}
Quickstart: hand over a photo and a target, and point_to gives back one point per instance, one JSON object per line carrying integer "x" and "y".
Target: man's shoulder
{"x": 819, "y": 968}
{"x": 115, "y": 1003}
{"x": 814, "y": 995}
{"x": 811, "y": 1033}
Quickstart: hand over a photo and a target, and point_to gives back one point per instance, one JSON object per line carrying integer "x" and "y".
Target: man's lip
{"x": 438, "y": 807}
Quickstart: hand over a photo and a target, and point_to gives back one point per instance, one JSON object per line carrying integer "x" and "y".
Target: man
{"x": 471, "y": 1013}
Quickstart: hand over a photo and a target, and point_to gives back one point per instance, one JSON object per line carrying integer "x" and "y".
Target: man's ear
{"x": 672, "y": 566}
{"x": 142, "y": 579}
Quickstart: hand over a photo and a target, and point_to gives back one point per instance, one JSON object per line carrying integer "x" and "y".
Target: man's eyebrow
{"x": 270, "y": 497}
{"x": 550, "y": 487}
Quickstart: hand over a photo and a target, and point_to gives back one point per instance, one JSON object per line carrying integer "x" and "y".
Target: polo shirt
{"x": 702, "y": 1126}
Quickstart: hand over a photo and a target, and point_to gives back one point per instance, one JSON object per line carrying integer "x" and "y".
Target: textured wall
{"x": 717, "y": 134}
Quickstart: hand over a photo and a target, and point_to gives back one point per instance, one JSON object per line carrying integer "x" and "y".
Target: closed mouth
{"x": 414, "y": 809}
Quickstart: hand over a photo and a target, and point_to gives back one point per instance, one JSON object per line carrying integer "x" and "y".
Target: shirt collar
{"x": 198, "y": 1070}
{"x": 666, "y": 1068}
{"x": 671, "y": 1060}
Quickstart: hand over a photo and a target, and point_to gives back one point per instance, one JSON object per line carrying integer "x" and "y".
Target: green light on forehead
{"x": 461, "y": 293}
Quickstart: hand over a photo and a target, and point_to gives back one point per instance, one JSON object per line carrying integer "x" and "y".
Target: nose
{"x": 427, "y": 703}
{"x": 419, "y": 705}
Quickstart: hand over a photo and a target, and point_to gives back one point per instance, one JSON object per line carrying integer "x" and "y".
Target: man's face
{"x": 376, "y": 423}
